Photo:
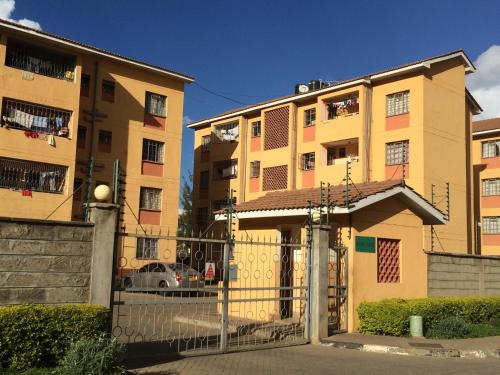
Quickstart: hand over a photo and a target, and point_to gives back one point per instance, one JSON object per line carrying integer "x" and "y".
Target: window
{"x": 108, "y": 91}
{"x": 310, "y": 117}
{"x": 387, "y": 260}
{"x": 152, "y": 151}
{"x": 205, "y": 143}
{"x": 85, "y": 85}
{"x": 77, "y": 189}
{"x": 398, "y": 103}
{"x": 307, "y": 161}
{"x": 397, "y": 153}
{"x": 256, "y": 129}
{"x": 490, "y": 149}
{"x": 150, "y": 199}
{"x": 105, "y": 138}
{"x": 227, "y": 132}
{"x": 491, "y": 186}
{"x": 204, "y": 178}
{"x": 330, "y": 156}
{"x": 156, "y": 104}
{"x": 202, "y": 216}
{"x": 254, "y": 169}
{"x": 147, "y": 248}
{"x": 491, "y": 225}
{"x": 81, "y": 137}
{"x": 226, "y": 169}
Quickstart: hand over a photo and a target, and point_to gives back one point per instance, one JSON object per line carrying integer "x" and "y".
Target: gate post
{"x": 104, "y": 217}
{"x": 225, "y": 299}
{"x": 319, "y": 283}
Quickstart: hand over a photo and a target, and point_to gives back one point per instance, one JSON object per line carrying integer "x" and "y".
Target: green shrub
{"x": 495, "y": 321}
{"x": 448, "y": 328}
{"x": 483, "y": 330}
{"x": 93, "y": 356}
{"x": 392, "y": 316}
{"x": 39, "y": 336}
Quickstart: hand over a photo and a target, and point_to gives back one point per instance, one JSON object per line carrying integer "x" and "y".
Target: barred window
{"x": 227, "y": 132}
{"x": 310, "y": 117}
{"x": 85, "y": 85}
{"x": 77, "y": 189}
{"x": 152, "y": 151}
{"x": 204, "y": 180}
{"x": 398, "y": 103}
{"x": 226, "y": 169}
{"x": 81, "y": 137}
{"x": 397, "y": 153}
{"x": 307, "y": 161}
{"x": 491, "y": 225}
{"x": 156, "y": 104}
{"x": 255, "y": 168}
{"x": 147, "y": 248}
{"x": 491, "y": 186}
{"x": 150, "y": 199}
{"x": 205, "y": 143}
{"x": 202, "y": 216}
{"x": 108, "y": 91}
{"x": 256, "y": 129}
{"x": 490, "y": 149}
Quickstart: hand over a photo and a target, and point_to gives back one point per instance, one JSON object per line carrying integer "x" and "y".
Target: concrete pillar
{"x": 319, "y": 283}
{"x": 104, "y": 216}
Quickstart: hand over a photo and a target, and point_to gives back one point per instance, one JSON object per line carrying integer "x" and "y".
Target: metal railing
{"x": 33, "y": 176}
{"x": 40, "y": 61}
{"x": 34, "y": 117}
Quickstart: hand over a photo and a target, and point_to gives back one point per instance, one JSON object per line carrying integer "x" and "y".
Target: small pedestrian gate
{"x": 257, "y": 297}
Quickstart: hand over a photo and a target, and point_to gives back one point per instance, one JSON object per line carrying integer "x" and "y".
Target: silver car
{"x": 164, "y": 275}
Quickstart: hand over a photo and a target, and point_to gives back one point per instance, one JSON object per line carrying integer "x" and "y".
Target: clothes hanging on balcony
{"x": 51, "y": 140}
{"x": 40, "y": 122}
{"x": 59, "y": 122}
{"x": 23, "y": 118}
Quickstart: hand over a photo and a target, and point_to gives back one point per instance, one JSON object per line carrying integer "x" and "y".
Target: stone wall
{"x": 45, "y": 261}
{"x": 462, "y": 275}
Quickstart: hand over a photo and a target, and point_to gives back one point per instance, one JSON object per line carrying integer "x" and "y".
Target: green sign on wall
{"x": 365, "y": 244}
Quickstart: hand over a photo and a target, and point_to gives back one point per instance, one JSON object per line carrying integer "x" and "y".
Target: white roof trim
{"x": 433, "y": 216}
{"x": 97, "y": 52}
{"x": 469, "y": 68}
{"x": 486, "y": 132}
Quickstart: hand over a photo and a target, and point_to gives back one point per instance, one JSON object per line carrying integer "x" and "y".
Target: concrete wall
{"x": 462, "y": 275}
{"x": 45, "y": 261}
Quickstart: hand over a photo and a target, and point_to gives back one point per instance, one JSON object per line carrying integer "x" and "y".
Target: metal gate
{"x": 337, "y": 290}
{"x": 254, "y": 295}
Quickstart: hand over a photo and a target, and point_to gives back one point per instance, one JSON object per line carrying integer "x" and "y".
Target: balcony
{"x": 226, "y": 132}
{"x": 342, "y": 107}
{"x": 31, "y": 176}
{"x": 341, "y": 152}
{"x": 40, "y": 61}
{"x": 226, "y": 169}
{"x": 35, "y": 118}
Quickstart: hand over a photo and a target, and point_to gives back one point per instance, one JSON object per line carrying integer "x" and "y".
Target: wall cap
{"x": 458, "y": 255}
{"x": 44, "y": 221}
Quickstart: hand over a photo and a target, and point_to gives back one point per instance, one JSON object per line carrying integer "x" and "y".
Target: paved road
{"x": 310, "y": 360}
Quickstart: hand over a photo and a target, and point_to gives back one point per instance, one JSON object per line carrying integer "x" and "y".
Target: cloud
{"x": 7, "y": 8}
{"x": 187, "y": 120}
{"x": 484, "y": 84}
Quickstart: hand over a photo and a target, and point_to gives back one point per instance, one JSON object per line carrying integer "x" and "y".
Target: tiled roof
{"x": 76, "y": 44}
{"x": 485, "y": 125}
{"x": 291, "y": 199}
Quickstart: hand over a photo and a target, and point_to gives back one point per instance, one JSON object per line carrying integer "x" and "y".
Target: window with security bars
{"x": 156, "y": 104}
{"x": 85, "y": 85}
{"x": 152, "y": 151}
{"x": 150, "y": 199}
{"x": 491, "y": 225}
{"x": 254, "y": 169}
{"x": 388, "y": 260}
{"x": 108, "y": 91}
{"x": 397, "y": 153}
{"x": 147, "y": 248}
{"x": 77, "y": 189}
{"x": 204, "y": 180}
{"x": 307, "y": 161}
{"x": 491, "y": 186}
{"x": 202, "y": 216}
{"x": 226, "y": 169}
{"x": 256, "y": 129}
{"x": 490, "y": 149}
{"x": 205, "y": 143}
{"x": 310, "y": 117}
{"x": 398, "y": 103}
{"x": 227, "y": 132}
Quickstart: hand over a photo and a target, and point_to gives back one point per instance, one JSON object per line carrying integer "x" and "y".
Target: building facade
{"x": 411, "y": 122}
{"x": 69, "y": 111}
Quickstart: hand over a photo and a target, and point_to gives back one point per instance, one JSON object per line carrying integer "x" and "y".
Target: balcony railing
{"x": 35, "y": 118}
{"x": 344, "y": 107}
{"x": 226, "y": 132}
{"x": 40, "y": 61}
{"x": 33, "y": 176}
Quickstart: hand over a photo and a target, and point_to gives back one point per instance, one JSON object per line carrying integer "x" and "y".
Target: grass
{"x": 483, "y": 330}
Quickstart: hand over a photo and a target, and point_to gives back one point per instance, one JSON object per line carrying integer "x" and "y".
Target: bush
{"x": 449, "y": 328}
{"x": 93, "y": 356}
{"x": 392, "y": 316}
{"x": 483, "y": 330}
{"x": 39, "y": 336}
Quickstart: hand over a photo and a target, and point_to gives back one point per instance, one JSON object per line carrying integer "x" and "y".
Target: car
{"x": 164, "y": 275}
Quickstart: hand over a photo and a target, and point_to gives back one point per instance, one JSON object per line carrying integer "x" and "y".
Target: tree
{"x": 185, "y": 221}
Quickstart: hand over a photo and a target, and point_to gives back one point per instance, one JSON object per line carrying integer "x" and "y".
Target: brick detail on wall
{"x": 275, "y": 178}
{"x": 387, "y": 260}
{"x": 276, "y": 128}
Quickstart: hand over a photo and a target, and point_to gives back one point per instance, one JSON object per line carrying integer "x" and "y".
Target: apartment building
{"x": 69, "y": 111}
{"x": 412, "y": 122}
{"x": 486, "y": 159}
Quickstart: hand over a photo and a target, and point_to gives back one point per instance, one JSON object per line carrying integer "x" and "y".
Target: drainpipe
{"x": 367, "y": 127}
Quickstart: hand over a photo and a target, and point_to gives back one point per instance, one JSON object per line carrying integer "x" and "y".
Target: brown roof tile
{"x": 484, "y": 125}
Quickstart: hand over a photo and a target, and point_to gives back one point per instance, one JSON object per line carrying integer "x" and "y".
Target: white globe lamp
{"x": 102, "y": 193}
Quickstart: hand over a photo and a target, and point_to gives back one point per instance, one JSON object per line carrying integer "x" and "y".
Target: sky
{"x": 255, "y": 50}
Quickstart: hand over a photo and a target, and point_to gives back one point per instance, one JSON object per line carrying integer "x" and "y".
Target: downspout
{"x": 367, "y": 128}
